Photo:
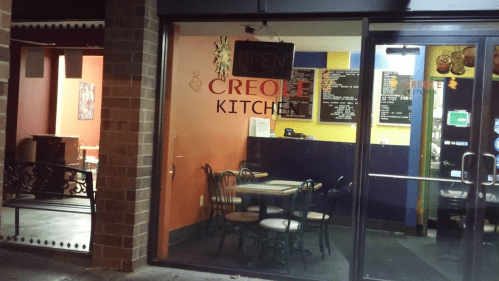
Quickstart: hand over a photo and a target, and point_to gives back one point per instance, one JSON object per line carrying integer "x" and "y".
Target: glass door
{"x": 429, "y": 167}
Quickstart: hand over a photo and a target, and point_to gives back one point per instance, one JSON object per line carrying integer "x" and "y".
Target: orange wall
{"x": 87, "y": 130}
{"x": 33, "y": 110}
{"x": 201, "y": 134}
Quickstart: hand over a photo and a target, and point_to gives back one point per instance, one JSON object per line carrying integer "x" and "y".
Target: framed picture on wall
{"x": 86, "y": 101}
{"x": 298, "y": 95}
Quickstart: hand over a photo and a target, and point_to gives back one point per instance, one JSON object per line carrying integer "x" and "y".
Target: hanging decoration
{"x": 222, "y": 57}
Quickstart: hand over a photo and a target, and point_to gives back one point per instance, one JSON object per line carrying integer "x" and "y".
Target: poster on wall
{"x": 339, "y": 96}
{"x": 86, "y": 101}
{"x": 395, "y": 99}
{"x": 297, "y": 96}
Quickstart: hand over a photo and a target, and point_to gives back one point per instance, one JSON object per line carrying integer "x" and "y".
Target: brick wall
{"x": 5, "y": 19}
{"x": 126, "y": 145}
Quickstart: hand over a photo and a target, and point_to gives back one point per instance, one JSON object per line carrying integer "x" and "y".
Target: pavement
{"x": 19, "y": 264}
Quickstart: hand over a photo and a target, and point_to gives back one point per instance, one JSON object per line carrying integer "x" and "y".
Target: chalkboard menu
{"x": 339, "y": 93}
{"x": 297, "y": 97}
{"x": 395, "y": 100}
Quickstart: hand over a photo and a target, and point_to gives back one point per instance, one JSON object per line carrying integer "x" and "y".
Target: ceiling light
{"x": 402, "y": 51}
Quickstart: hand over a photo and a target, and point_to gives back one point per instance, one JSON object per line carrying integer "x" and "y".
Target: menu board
{"x": 297, "y": 97}
{"x": 395, "y": 100}
{"x": 339, "y": 96}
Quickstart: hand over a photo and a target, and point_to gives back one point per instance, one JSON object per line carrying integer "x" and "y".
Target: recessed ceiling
{"x": 308, "y": 36}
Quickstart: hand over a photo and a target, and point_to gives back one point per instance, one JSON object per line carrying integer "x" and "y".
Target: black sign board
{"x": 339, "y": 94}
{"x": 263, "y": 59}
{"x": 297, "y": 97}
{"x": 395, "y": 99}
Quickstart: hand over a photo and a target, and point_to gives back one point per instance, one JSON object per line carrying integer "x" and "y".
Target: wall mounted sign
{"x": 395, "y": 99}
{"x": 86, "y": 101}
{"x": 297, "y": 96}
{"x": 339, "y": 96}
{"x": 458, "y": 118}
{"x": 263, "y": 59}
{"x": 35, "y": 62}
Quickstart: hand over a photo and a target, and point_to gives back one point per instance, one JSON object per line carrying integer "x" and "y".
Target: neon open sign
{"x": 263, "y": 59}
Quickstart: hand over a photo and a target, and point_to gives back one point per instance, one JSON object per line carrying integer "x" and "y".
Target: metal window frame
{"x": 363, "y": 146}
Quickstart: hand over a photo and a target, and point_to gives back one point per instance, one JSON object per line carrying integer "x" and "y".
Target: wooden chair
{"x": 216, "y": 204}
{"x": 318, "y": 221}
{"x": 247, "y": 176}
{"x": 227, "y": 196}
{"x": 243, "y": 164}
{"x": 290, "y": 229}
{"x": 457, "y": 211}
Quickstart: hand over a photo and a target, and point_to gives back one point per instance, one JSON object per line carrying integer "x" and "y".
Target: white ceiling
{"x": 308, "y": 36}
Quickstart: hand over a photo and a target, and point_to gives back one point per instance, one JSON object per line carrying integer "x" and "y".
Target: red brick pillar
{"x": 126, "y": 145}
{"x": 5, "y": 19}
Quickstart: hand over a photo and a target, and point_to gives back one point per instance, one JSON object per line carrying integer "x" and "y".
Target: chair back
{"x": 331, "y": 196}
{"x": 211, "y": 181}
{"x": 304, "y": 192}
{"x": 246, "y": 175}
{"x": 454, "y": 205}
{"x": 225, "y": 195}
{"x": 243, "y": 164}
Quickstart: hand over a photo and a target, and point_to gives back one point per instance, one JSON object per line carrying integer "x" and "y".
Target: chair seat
{"x": 457, "y": 219}
{"x": 279, "y": 225}
{"x": 271, "y": 210}
{"x": 242, "y": 217}
{"x": 313, "y": 216}
{"x": 487, "y": 226}
{"x": 235, "y": 200}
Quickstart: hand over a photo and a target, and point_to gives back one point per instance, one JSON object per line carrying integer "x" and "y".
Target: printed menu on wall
{"x": 395, "y": 100}
{"x": 339, "y": 96}
{"x": 297, "y": 97}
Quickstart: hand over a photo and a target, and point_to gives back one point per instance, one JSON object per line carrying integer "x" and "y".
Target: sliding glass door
{"x": 432, "y": 214}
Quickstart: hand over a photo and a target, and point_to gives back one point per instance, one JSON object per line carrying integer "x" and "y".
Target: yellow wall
{"x": 326, "y": 132}
{"x": 398, "y": 135}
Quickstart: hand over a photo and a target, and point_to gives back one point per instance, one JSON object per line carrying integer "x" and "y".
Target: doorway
{"x": 440, "y": 88}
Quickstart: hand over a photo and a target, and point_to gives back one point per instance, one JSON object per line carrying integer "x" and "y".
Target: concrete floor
{"x": 389, "y": 256}
{"x": 53, "y": 227}
{"x": 19, "y": 265}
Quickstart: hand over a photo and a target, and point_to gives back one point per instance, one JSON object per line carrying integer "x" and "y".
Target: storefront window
{"x": 285, "y": 131}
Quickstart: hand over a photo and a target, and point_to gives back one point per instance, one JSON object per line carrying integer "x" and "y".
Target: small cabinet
{"x": 61, "y": 150}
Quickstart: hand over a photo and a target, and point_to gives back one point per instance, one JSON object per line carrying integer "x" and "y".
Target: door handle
{"x": 494, "y": 170}
{"x": 466, "y": 154}
{"x": 448, "y": 164}
{"x": 173, "y": 172}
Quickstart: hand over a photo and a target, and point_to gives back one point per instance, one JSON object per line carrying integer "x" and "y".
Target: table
{"x": 451, "y": 202}
{"x": 258, "y": 175}
{"x": 273, "y": 187}
{"x": 84, "y": 149}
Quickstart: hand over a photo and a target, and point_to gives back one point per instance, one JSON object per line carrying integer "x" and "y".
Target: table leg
{"x": 83, "y": 159}
{"x": 263, "y": 207}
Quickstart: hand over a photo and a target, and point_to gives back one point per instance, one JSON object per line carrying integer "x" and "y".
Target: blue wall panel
{"x": 414, "y": 146}
{"x": 380, "y": 61}
{"x": 310, "y": 59}
{"x": 325, "y": 162}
